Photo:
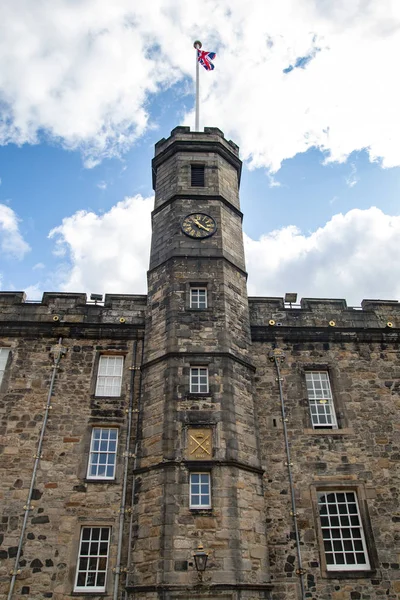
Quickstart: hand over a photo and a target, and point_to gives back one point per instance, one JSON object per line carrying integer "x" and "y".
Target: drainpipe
{"x": 57, "y": 351}
{"x": 133, "y": 370}
{"x": 138, "y": 425}
{"x": 277, "y": 356}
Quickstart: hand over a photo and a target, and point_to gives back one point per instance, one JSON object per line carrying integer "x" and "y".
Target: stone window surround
{"x": 198, "y": 284}
{"x": 95, "y": 371}
{"x": 209, "y": 483}
{"x": 359, "y": 489}
{"x": 111, "y": 381}
{"x": 74, "y": 556}
{"x": 322, "y": 378}
{"x": 90, "y": 477}
{"x": 198, "y": 288}
{"x": 199, "y": 393}
{"x": 84, "y": 464}
{"x": 198, "y": 163}
{"x": 341, "y": 419}
{"x": 4, "y": 373}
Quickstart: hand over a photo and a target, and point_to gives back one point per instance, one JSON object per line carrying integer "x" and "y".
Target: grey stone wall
{"x": 361, "y": 354}
{"x": 63, "y": 499}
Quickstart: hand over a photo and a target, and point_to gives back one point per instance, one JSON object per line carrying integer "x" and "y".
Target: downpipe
{"x": 58, "y": 351}
{"x": 138, "y": 426}
{"x": 133, "y": 369}
{"x": 277, "y": 356}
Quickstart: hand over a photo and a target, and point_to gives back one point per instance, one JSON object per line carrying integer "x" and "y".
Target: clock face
{"x": 199, "y": 225}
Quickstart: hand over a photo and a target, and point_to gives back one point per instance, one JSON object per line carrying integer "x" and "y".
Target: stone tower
{"x": 200, "y": 479}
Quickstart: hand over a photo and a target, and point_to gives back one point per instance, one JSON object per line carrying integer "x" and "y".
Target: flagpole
{"x": 197, "y": 45}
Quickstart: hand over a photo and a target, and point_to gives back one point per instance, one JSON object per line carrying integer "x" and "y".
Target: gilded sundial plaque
{"x": 199, "y": 444}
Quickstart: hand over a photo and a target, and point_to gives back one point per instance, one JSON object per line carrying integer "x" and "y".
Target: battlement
{"x": 67, "y": 307}
{"x": 182, "y": 133}
{"x": 311, "y": 312}
{"x": 323, "y": 312}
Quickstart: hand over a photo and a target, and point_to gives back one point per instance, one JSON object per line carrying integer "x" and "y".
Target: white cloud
{"x": 102, "y": 185}
{"x": 34, "y": 292}
{"x": 354, "y": 256}
{"x": 352, "y": 177}
{"x": 12, "y": 243}
{"x": 107, "y": 253}
{"x": 83, "y": 72}
{"x": 38, "y": 266}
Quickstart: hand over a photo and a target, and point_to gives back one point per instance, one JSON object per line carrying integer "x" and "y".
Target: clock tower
{"x": 199, "y": 479}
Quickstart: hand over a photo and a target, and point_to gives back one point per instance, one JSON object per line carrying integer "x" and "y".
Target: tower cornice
{"x": 198, "y": 197}
{"x": 194, "y": 145}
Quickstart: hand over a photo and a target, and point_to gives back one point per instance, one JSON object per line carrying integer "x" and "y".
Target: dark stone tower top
{"x": 210, "y": 150}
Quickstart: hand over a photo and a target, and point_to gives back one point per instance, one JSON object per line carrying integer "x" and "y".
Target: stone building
{"x": 141, "y": 434}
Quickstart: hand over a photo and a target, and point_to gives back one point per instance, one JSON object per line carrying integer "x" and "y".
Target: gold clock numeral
{"x": 198, "y": 225}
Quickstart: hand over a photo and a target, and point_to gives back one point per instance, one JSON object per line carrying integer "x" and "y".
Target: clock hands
{"x": 200, "y": 225}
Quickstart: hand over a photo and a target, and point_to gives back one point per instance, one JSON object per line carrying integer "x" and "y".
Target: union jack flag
{"x": 205, "y": 59}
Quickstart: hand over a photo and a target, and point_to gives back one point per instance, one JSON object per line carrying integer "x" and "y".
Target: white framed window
{"x": 198, "y": 380}
{"x": 342, "y": 532}
{"x": 200, "y": 490}
{"x": 198, "y": 297}
{"x": 91, "y": 572}
{"x": 109, "y": 376}
{"x": 103, "y": 453}
{"x": 4, "y": 352}
{"x": 320, "y": 400}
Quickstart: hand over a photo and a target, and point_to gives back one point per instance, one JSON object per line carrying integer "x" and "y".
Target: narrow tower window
{"x": 199, "y": 380}
{"x": 320, "y": 400}
{"x": 197, "y": 176}
{"x": 200, "y": 490}
{"x": 198, "y": 297}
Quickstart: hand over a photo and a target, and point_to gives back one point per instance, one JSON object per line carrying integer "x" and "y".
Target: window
{"x": 200, "y": 490}
{"x": 103, "y": 453}
{"x": 4, "y": 352}
{"x": 342, "y": 532}
{"x": 92, "y": 560}
{"x": 198, "y": 380}
{"x": 320, "y": 400}
{"x": 109, "y": 376}
{"x": 197, "y": 176}
{"x": 198, "y": 297}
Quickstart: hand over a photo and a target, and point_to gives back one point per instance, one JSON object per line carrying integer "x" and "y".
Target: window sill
{"x": 325, "y": 432}
{"x": 89, "y": 593}
{"x": 106, "y": 397}
{"x": 206, "y": 397}
{"x": 108, "y": 481}
{"x": 349, "y": 574}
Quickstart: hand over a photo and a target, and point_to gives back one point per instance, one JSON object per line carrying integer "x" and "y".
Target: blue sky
{"x": 319, "y": 141}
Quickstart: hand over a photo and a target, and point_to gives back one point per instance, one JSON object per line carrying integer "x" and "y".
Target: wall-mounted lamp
{"x": 96, "y": 298}
{"x": 290, "y": 298}
{"x": 200, "y": 560}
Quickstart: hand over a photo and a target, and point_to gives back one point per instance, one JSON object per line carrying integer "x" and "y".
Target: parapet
{"x": 67, "y": 308}
{"x": 324, "y": 312}
{"x": 183, "y": 134}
